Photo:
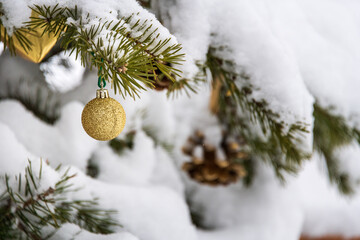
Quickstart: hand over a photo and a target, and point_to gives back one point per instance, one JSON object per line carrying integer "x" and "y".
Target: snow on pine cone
{"x": 207, "y": 167}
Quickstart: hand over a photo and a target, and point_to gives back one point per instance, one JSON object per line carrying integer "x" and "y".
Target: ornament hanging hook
{"x": 101, "y": 80}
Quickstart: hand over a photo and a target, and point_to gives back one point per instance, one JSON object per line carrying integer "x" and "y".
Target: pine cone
{"x": 161, "y": 81}
{"x": 209, "y": 170}
{"x": 163, "y": 84}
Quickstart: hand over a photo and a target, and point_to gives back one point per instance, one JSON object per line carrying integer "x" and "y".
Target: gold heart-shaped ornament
{"x": 41, "y": 44}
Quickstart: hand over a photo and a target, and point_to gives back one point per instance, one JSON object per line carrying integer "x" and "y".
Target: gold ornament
{"x": 41, "y": 44}
{"x": 103, "y": 118}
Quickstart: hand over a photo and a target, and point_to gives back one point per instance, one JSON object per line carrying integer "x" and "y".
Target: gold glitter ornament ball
{"x": 103, "y": 118}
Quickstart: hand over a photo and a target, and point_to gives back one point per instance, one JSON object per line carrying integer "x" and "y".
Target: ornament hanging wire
{"x": 101, "y": 80}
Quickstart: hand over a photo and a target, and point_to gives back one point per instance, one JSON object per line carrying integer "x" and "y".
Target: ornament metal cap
{"x": 102, "y": 93}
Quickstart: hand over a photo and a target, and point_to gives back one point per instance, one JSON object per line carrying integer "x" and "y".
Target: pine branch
{"x": 25, "y": 211}
{"x": 17, "y": 33}
{"x": 120, "y": 145}
{"x": 145, "y": 3}
{"x": 331, "y": 132}
{"x": 126, "y": 52}
{"x": 188, "y": 85}
{"x": 239, "y": 113}
{"x": 92, "y": 168}
{"x": 151, "y": 132}
{"x": 43, "y": 103}
{"x": 2, "y": 13}
{"x": 127, "y": 143}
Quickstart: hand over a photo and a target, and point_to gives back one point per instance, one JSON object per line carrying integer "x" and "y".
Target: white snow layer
{"x": 294, "y": 51}
{"x": 68, "y": 231}
{"x": 62, "y": 72}
{"x": 65, "y": 143}
{"x": 1, "y": 47}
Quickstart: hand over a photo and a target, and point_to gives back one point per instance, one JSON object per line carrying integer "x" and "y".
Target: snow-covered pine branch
{"x": 35, "y": 204}
{"x": 127, "y": 47}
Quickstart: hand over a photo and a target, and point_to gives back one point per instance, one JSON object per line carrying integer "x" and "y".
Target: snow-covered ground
{"x": 296, "y": 51}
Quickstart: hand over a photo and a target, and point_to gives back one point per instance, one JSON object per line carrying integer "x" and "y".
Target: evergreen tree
{"x": 246, "y": 126}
